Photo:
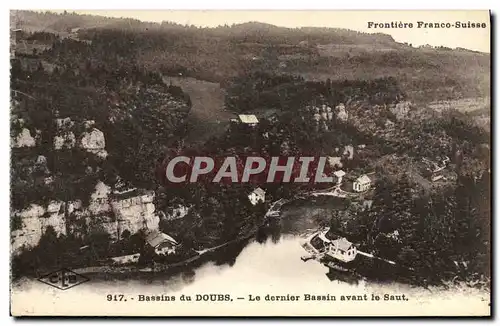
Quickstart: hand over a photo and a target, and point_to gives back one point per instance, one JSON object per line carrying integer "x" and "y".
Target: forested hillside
{"x": 217, "y": 54}
{"x": 139, "y": 115}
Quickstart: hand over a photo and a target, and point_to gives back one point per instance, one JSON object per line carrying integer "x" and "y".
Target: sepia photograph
{"x": 175, "y": 163}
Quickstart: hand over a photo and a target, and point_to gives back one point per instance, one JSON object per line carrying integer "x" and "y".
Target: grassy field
{"x": 462, "y": 105}
{"x": 207, "y": 116}
{"x": 479, "y": 109}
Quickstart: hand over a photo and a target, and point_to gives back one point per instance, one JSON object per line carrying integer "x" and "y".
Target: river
{"x": 258, "y": 268}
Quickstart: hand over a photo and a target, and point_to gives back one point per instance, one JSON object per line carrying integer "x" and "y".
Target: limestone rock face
{"x": 64, "y": 124}
{"x": 348, "y": 152}
{"x": 35, "y": 220}
{"x": 136, "y": 212}
{"x": 94, "y": 142}
{"x": 108, "y": 211}
{"x": 99, "y": 200}
{"x": 23, "y": 139}
{"x": 31, "y": 212}
{"x": 65, "y": 140}
{"x": 342, "y": 114}
{"x": 89, "y": 124}
{"x": 42, "y": 160}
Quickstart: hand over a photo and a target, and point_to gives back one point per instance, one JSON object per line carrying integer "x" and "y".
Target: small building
{"x": 363, "y": 183}
{"x": 339, "y": 175}
{"x": 248, "y": 119}
{"x": 162, "y": 243}
{"x": 433, "y": 170}
{"x": 257, "y": 195}
{"x": 343, "y": 250}
{"x": 342, "y": 114}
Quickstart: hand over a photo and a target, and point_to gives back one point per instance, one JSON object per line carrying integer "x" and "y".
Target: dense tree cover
{"x": 139, "y": 115}
{"x": 286, "y": 92}
{"x": 220, "y": 53}
{"x": 437, "y": 231}
{"x": 218, "y": 213}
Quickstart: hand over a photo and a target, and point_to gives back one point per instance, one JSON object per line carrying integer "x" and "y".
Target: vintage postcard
{"x": 250, "y": 163}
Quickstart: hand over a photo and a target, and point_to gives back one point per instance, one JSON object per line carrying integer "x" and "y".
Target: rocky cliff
{"x": 71, "y": 188}
{"x": 108, "y": 211}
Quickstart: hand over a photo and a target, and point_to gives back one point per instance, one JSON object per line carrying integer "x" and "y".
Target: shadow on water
{"x": 187, "y": 273}
{"x": 270, "y": 230}
{"x": 334, "y": 275}
{"x": 296, "y": 222}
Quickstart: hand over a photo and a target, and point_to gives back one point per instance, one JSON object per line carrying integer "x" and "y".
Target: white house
{"x": 162, "y": 243}
{"x": 339, "y": 174}
{"x": 257, "y": 195}
{"x": 363, "y": 183}
{"x": 343, "y": 250}
{"x": 248, "y": 119}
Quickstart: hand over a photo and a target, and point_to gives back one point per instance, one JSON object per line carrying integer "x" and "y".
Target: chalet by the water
{"x": 258, "y": 195}
{"x": 162, "y": 243}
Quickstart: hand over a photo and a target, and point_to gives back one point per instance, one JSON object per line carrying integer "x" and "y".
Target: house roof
{"x": 155, "y": 238}
{"x": 339, "y": 173}
{"x": 342, "y": 244}
{"x": 259, "y": 191}
{"x": 130, "y": 193}
{"x": 363, "y": 179}
{"x": 248, "y": 118}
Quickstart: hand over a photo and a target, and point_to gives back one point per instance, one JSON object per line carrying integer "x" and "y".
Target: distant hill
{"x": 221, "y": 53}
{"x": 53, "y": 22}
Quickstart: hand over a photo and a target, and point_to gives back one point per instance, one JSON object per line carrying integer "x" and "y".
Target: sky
{"x": 471, "y": 38}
